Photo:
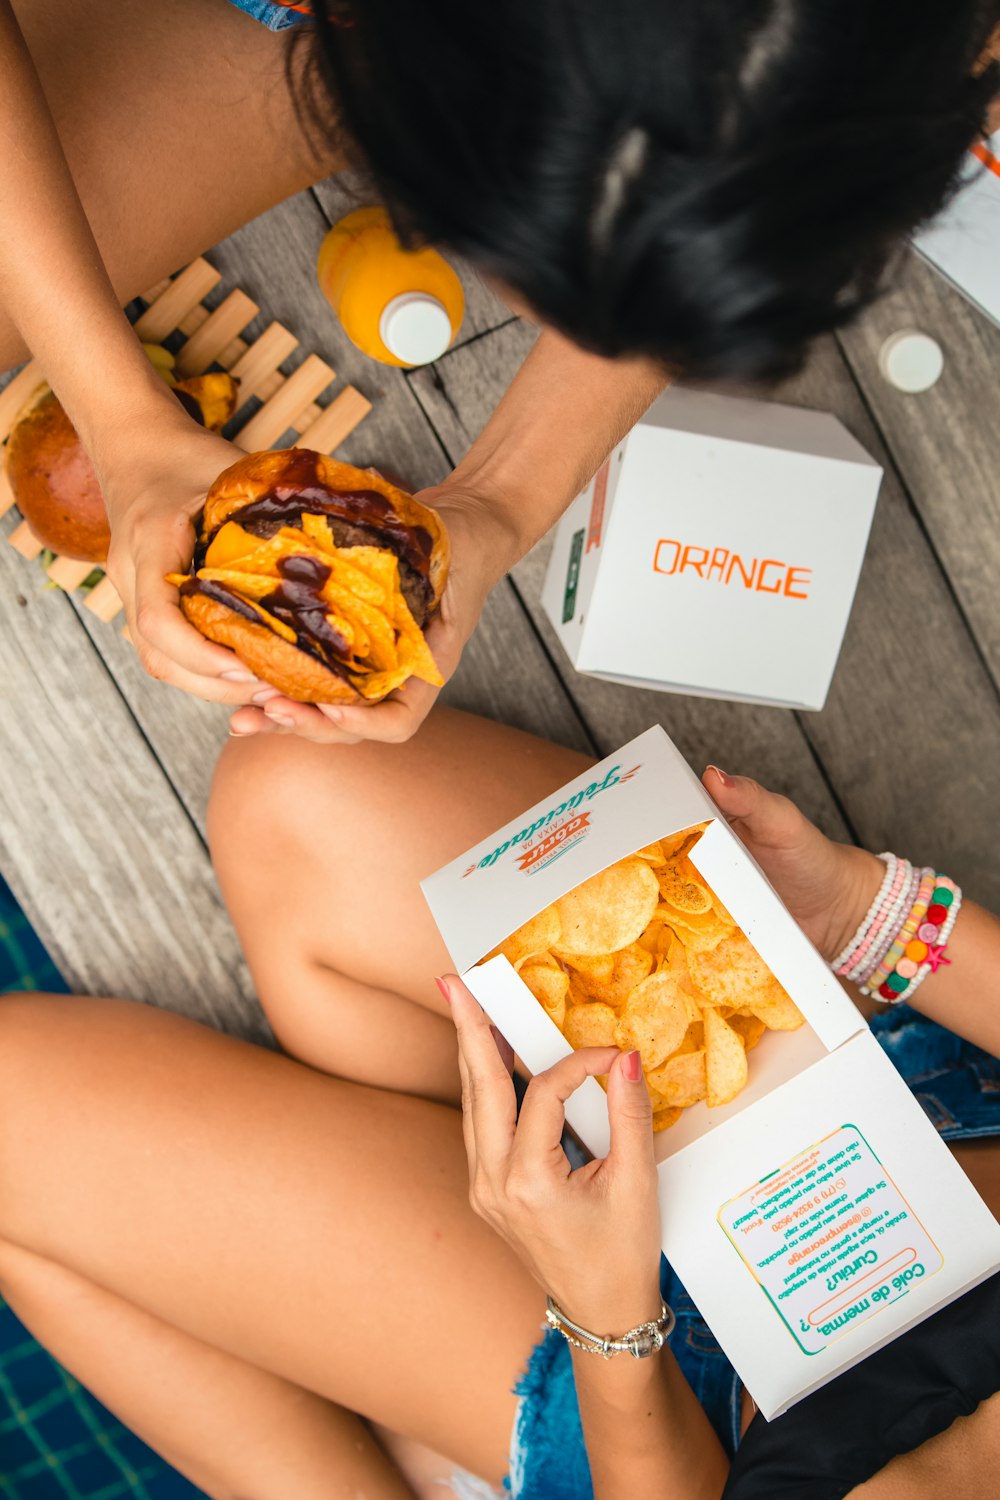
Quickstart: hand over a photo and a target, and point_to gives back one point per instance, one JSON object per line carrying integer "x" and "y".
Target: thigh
{"x": 178, "y": 122}
{"x": 320, "y": 851}
{"x": 314, "y": 1228}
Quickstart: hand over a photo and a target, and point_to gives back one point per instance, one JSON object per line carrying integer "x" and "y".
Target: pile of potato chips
{"x": 644, "y": 956}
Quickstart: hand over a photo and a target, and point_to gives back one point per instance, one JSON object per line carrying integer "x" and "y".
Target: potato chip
{"x": 749, "y": 1029}
{"x": 629, "y": 967}
{"x": 591, "y": 969}
{"x": 681, "y": 1079}
{"x": 777, "y": 1010}
{"x": 734, "y": 973}
{"x": 550, "y": 985}
{"x": 725, "y": 1060}
{"x": 590, "y": 1025}
{"x": 664, "y": 1118}
{"x": 610, "y": 910}
{"x": 676, "y": 842}
{"x": 654, "y": 1019}
{"x": 536, "y": 935}
{"x": 653, "y": 853}
{"x": 700, "y": 932}
{"x": 682, "y": 890}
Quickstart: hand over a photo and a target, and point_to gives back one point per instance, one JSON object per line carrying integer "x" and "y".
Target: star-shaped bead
{"x": 935, "y": 956}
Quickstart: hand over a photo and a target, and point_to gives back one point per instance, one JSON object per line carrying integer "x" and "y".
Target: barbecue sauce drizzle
{"x": 298, "y": 600}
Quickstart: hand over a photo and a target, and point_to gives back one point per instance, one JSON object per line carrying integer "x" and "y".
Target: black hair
{"x": 711, "y": 183}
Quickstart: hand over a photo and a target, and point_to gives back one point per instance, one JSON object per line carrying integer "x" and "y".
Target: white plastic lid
{"x": 911, "y": 361}
{"x": 415, "y": 327}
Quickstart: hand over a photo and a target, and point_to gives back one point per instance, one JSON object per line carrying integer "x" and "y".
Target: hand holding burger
{"x": 320, "y": 576}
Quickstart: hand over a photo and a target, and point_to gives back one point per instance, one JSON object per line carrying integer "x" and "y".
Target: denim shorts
{"x": 959, "y": 1089}
{"x": 272, "y": 14}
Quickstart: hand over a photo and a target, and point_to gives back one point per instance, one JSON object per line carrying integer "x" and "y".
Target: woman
{"x": 704, "y": 187}
{"x": 237, "y": 1252}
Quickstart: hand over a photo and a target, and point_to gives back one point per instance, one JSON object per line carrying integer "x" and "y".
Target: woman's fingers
{"x": 765, "y": 818}
{"x": 631, "y": 1116}
{"x": 543, "y": 1113}
{"x": 488, "y": 1098}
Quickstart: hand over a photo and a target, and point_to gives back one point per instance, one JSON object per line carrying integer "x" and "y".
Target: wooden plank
{"x": 257, "y": 362}
{"x": 15, "y": 395}
{"x": 68, "y": 573}
{"x": 183, "y": 293}
{"x": 216, "y": 333}
{"x": 24, "y": 541}
{"x": 337, "y": 422}
{"x": 280, "y": 412}
{"x": 910, "y": 736}
{"x": 484, "y": 308}
{"x": 103, "y": 600}
{"x": 945, "y": 442}
{"x": 100, "y": 853}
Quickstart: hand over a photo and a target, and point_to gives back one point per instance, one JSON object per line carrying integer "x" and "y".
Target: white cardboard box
{"x": 717, "y": 552}
{"x": 964, "y": 242}
{"x": 818, "y": 1215}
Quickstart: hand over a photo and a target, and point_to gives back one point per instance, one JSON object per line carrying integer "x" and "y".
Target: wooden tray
{"x": 211, "y": 338}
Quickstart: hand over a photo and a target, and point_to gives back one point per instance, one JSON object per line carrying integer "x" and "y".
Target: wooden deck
{"x": 105, "y": 773}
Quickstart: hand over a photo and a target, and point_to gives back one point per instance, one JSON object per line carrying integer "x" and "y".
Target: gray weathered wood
{"x": 459, "y": 394}
{"x": 945, "y": 442}
{"x": 93, "y": 839}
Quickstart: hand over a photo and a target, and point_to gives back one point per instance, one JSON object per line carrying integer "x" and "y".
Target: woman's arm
{"x": 561, "y": 416}
{"x": 828, "y": 889}
{"x": 153, "y": 462}
{"x": 591, "y": 1238}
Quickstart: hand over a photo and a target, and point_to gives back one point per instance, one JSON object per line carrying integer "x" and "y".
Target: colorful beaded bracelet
{"x": 904, "y": 934}
{"x": 920, "y": 948}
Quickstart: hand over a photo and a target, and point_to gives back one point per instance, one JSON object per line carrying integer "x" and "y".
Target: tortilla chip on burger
{"x": 320, "y": 576}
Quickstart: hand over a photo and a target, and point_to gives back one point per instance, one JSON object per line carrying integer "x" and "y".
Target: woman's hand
{"x": 590, "y": 1237}
{"x": 152, "y": 499}
{"x": 481, "y": 552}
{"x": 827, "y": 887}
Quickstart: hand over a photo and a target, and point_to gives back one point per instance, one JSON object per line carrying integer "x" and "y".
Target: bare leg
{"x": 303, "y": 1225}
{"x": 177, "y": 122}
{"x": 320, "y": 851}
{"x": 230, "y": 1428}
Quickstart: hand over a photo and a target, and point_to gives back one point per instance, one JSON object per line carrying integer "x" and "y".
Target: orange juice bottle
{"x": 402, "y": 307}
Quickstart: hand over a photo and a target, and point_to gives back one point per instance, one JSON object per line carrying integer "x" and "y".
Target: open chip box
{"x": 816, "y": 1216}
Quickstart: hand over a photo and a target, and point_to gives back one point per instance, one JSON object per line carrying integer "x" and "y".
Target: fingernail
{"x": 264, "y": 695}
{"x": 240, "y": 734}
{"x": 722, "y": 775}
{"x": 237, "y": 676}
{"x": 330, "y": 711}
{"x": 632, "y": 1067}
{"x": 442, "y": 985}
{"x": 282, "y": 719}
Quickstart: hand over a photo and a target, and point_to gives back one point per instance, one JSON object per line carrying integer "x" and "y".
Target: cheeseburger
{"x": 320, "y": 576}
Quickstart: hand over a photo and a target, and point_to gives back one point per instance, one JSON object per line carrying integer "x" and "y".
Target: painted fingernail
{"x": 632, "y": 1067}
{"x": 442, "y": 985}
{"x": 237, "y": 676}
{"x": 264, "y": 695}
{"x": 281, "y": 719}
{"x": 722, "y": 775}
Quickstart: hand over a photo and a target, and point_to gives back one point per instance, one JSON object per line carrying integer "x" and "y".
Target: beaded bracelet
{"x": 897, "y": 948}
{"x": 896, "y": 920}
{"x": 904, "y": 933}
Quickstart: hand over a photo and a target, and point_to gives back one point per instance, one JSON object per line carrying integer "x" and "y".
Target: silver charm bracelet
{"x": 642, "y": 1341}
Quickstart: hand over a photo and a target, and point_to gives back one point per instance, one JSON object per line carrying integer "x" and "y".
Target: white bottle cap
{"x": 415, "y": 327}
{"x": 911, "y": 361}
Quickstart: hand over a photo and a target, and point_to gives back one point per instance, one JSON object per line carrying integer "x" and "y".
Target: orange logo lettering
{"x": 767, "y": 575}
